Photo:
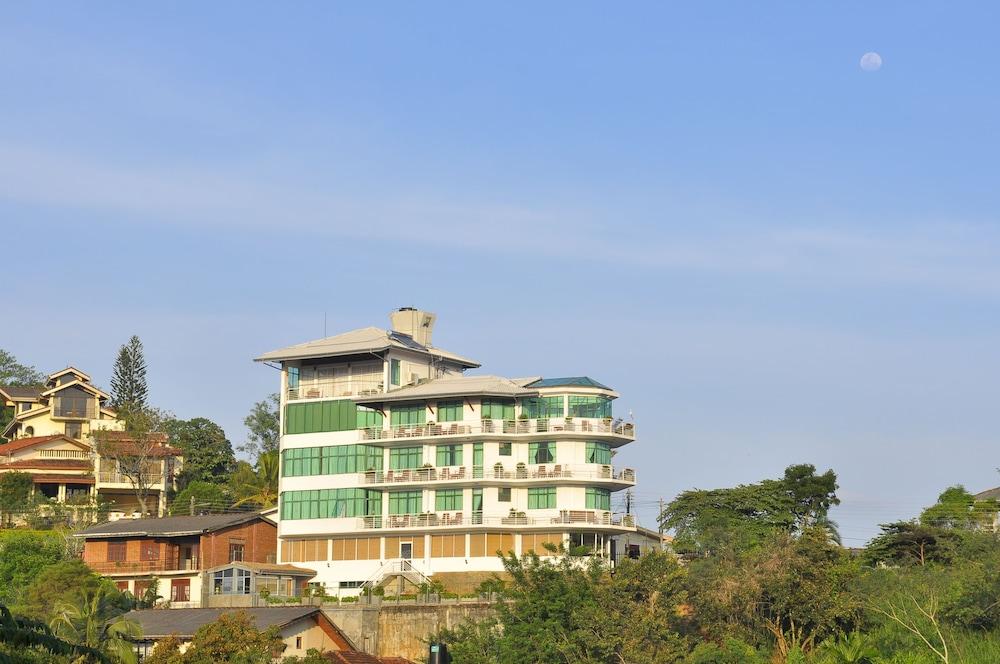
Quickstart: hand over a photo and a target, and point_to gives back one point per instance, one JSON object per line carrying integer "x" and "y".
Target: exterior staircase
{"x": 401, "y": 571}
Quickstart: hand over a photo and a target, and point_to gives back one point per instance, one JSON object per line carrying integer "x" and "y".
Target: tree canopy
{"x": 129, "y": 391}
{"x": 208, "y": 454}
{"x": 14, "y": 373}
{"x": 262, "y": 426}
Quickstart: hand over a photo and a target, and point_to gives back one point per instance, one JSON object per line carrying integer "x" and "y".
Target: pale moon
{"x": 871, "y": 61}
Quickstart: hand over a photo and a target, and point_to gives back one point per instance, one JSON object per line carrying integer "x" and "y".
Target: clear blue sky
{"x": 774, "y": 255}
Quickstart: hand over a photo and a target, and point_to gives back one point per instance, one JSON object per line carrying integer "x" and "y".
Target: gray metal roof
{"x": 364, "y": 340}
{"x": 571, "y": 381}
{"x": 171, "y": 526}
{"x": 18, "y": 392}
{"x": 456, "y": 386}
{"x": 160, "y": 623}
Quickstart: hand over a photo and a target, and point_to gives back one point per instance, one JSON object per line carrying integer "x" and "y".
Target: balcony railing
{"x": 64, "y": 454}
{"x": 460, "y": 473}
{"x": 335, "y": 389}
{"x": 451, "y": 519}
{"x": 118, "y": 478}
{"x": 170, "y": 564}
{"x": 74, "y": 408}
{"x": 503, "y": 427}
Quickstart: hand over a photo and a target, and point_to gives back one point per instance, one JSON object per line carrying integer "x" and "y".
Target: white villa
{"x": 395, "y": 463}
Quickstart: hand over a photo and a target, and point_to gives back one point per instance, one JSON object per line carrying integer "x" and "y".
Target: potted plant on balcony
{"x": 522, "y": 423}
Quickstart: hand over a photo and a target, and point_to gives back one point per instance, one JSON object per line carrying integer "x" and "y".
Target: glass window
{"x": 543, "y": 407}
{"x": 503, "y": 494}
{"x": 449, "y": 455}
{"x": 477, "y": 500}
{"x": 598, "y": 453}
{"x": 448, "y": 500}
{"x": 394, "y": 372}
{"x": 497, "y": 409}
{"x": 293, "y": 378}
{"x": 589, "y": 406}
{"x": 369, "y": 418}
{"x": 330, "y": 460}
{"x": 598, "y": 499}
{"x": 236, "y": 552}
{"x": 405, "y": 502}
{"x": 408, "y": 415}
{"x": 116, "y": 552}
{"x": 541, "y": 452}
{"x": 330, "y": 503}
{"x": 450, "y": 411}
{"x": 505, "y": 449}
{"x": 477, "y": 455}
{"x": 541, "y": 498}
{"x": 401, "y": 458}
{"x": 302, "y": 461}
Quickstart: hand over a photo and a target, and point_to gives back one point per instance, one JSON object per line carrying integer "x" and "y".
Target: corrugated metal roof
{"x": 171, "y": 526}
{"x": 456, "y": 386}
{"x": 18, "y": 392}
{"x": 364, "y": 340}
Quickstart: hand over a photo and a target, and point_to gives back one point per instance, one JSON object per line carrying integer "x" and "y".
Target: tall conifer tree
{"x": 128, "y": 383}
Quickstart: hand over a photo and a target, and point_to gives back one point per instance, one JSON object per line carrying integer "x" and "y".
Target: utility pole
{"x": 659, "y": 520}
{"x": 628, "y": 501}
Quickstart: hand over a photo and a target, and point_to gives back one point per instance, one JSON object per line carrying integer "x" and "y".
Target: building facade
{"x": 67, "y": 404}
{"x": 394, "y": 462}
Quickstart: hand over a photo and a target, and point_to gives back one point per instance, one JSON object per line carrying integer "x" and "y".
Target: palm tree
{"x": 259, "y": 487}
{"x": 91, "y": 621}
{"x": 853, "y": 648}
{"x": 23, "y": 633}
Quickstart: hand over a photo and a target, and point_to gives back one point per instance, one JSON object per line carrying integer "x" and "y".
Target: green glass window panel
{"x": 543, "y": 407}
{"x": 541, "y": 498}
{"x": 477, "y": 455}
{"x": 497, "y": 409}
{"x": 405, "y": 502}
{"x": 598, "y": 453}
{"x": 408, "y": 415}
{"x": 321, "y": 416}
{"x": 448, "y": 500}
{"x": 477, "y": 500}
{"x": 506, "y": 449}
{"x": 449, "y": 455}
{"x": 293, "y": 378}
{"x": 401, "y": 458}
{"x": 369, "y": 418}
{"x": 598, "y": 499}
{"x": 339, "y": 459}
{"x": 450, "y": 411}
{"x": 301, "y": 462}
{"x": 541, "y": 452}
{"x": 596, "y": 406}
{"x": 394, "y": 372}
{"x": 330, "y": 503}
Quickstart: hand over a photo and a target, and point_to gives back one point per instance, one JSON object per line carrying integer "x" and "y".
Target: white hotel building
{"x": 392, "y": 459}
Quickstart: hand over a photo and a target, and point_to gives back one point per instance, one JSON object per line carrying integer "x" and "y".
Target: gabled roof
{"x": 72, "y": 370}
{"x": 989, "y": 494}
{"x": 183, "y": 623}
{"x": 171, "y": 526}
{"x": 23, "y": 443}
{"x": 456, "y": 386}
{"x": 364, "y": 340}
{"x": 76, "y": 383}
{"x": 572, "y": 381}
{"x": 21, "y": 393}
{"x": 160, "y": 447}
{"x": 268, "y": 568}
{"x": 25, "y": 416}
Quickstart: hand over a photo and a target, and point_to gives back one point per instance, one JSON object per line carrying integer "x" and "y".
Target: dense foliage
{"x": 129, "y": 390}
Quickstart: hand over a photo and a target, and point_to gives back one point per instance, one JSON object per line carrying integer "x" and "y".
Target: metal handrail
{"x": 559, "y": 425}
{"x": 464, "y": 473}
{"x": 329, "y": 389}
{"x": 514, "y": 518}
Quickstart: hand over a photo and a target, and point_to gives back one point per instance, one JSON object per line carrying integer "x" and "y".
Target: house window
{"x": 450, "y": 411}
{"x": 29, "y": 431}
{"x": 449, "y": 455}
{"x": 503, "y": 494}
{"x": 149, "y": 551}
{"x": 394, "y": 372}
{"x": 298, "y": 643}
{"x": 116, "y": 552}
{"x": 505, "y": 449}
{"x": 236, "y": 550}
{"x": 598, "y": 499}
{"x": 330, "y": 503}
{"x": 231, "y": 582}
{"x": 180, "y": 590}
{"x": 74, "y": 430}
{"x": 542, "y": 498}
{"x": 543, "y": 407}
{"x": 497, "y": 409}
{"x": 541, "y": 452}
{"x": 401, "y": 458}
{"x": 448, "y": 500}
{"x": 408, "y": 416}
{"x": 293, "y": 378}
{"x": 25, "y": 407}
{"x": 598, "y": 453}
{"x": 405, "y": 502}
{"x": 590, "y": 406}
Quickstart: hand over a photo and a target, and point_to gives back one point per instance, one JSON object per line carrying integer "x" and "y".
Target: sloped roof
{"x": 171, "y": 526}
{"x": 456, "y": 386}
{"x": 274, "y": 568}
{"x": 161, "y": 623}
{"x": 18, "y": 392}
{"x": 571, "y": 381}
{"x": 364, "y": 340}
{"x": 73, "y": 370}
{"x": 76, "y": 383}
{"x": 349, "y": 657}
{"x": 989, "y": 494}
{"x": 23, "y": 443}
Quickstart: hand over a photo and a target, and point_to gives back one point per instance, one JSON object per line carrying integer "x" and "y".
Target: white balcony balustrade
{"x": 503, "y": 427}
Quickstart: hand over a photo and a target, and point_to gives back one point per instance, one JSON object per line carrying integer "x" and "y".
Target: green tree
{"x": 956, "y": 508}
{"x": 14, "y": 373}
{"x": 262, "y": 425}
{"x": 911, "y": 543}
{"x": 208, "y": 454}
{"x": 256, "y": 486}
{"x": 15, "y": 495}
{"x": 233, "y": 638}
{"x": 23, "y": 555}
{"x": 92, "y": 619}
{"x": 26, "y": 641}
{"x": 138, "y": 450}
{"x": 129, "y": 391}
{"x": 205, "y": 496}
{"x": 65, "y": 581}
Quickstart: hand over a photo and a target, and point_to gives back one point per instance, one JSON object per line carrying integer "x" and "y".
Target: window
{"x": 541, "y": 452}
{"x": 598, "y": 499}
{"x": 180, "y": 590}
{"x": 448, "y": 500}
{"x": 29, "y": 431}
{"x": 231, "y": 582}
{"x": 543, "y": 407}
{"x": 351, "y": 584}
{"x": 369, "y": 418}
{"x": 293, "y": 378}
{"x": 450, "y": 411}
{"x": 497, "y": 409}
{"x": 505, "y": 449}
{"x": 25, "y": 407}
{"x": 541, "y": 498}
{"x": 340, "y": 459}
{"x": 149, "y": 551}
{"x": 401, "y": 458}
{"x": 394, "y": 372}
{"x": 301, "y": 461}
{"x": 590, "y": 406}
{"x": 236, "y": 551}
{"x": 598, "y": 453}
{"x": 405, "y": 502}
{"x": 330, "y": 503}
{"x": 477, "y": 500}
{"x": 449, "y": 455}
{"x": 503, "y": 494}
{"x": 298, "y": 643}
{"x": 74, "y": 430}
{"x": 408, "y": 416}
{"x": 116, "y": 552}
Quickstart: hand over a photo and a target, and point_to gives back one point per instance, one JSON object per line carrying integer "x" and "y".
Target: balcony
{"x": 72, "y": 408}
{"x": 562, "y": 425}
{"x": 111, "y": 477}
{"x": 453, "y": 519}
{"x": 335, "y": 389}
{"x": 171, "y": 564}
{"x": 460, "y": 474}
{"x": 65, "y": 454}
